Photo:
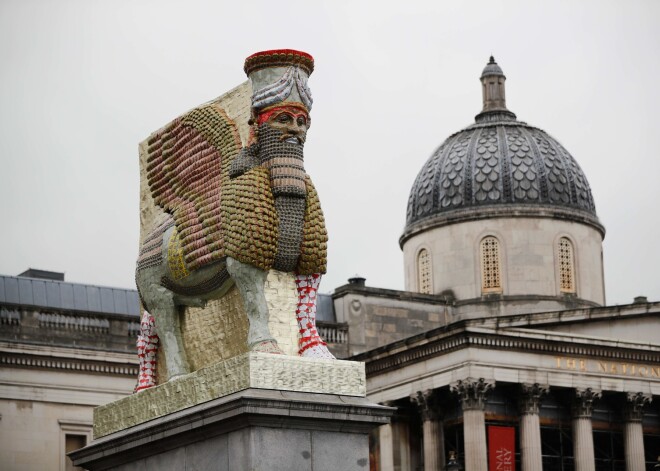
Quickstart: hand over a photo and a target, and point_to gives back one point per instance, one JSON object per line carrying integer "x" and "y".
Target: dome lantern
{"x": 494, "y": 96}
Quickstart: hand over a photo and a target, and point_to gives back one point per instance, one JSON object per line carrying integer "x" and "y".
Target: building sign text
{"x": 619, "y": 368}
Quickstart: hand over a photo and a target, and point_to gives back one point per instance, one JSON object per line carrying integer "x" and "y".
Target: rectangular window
{"x": 74, "y": 435}
{"x": 72, "y": 443}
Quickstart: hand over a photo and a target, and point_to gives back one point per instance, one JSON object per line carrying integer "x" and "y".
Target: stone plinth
{"x": 254, "y": 429}
{"x": 250, "y": 370}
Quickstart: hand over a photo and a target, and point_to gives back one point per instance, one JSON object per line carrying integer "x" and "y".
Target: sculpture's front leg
{"x": 250, "y": 282}
{"x": 310, "y": 343}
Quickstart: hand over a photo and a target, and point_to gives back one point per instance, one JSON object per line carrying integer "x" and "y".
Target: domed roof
{"x": 492, "y": 68}
{"x": 498, "y": 166}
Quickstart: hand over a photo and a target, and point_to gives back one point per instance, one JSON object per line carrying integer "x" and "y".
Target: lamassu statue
{"x": 232, "y": 213}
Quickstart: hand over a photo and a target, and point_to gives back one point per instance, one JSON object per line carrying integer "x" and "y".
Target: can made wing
{"x": 187, "y": 164}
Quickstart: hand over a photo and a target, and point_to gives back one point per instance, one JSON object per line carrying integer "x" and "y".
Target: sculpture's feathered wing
{"x": 185, "y": 174}
{"x": 217, "y": 216}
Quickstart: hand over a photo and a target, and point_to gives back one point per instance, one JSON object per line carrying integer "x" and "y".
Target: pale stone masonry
{"x": 249, "y": 370}
{"x": 254, "y": 429}
{"x": 472, "y": 394}
{"x": 541, "y": 366}
{"x": 432, "y": 433}
{"x": 530, "y": 433}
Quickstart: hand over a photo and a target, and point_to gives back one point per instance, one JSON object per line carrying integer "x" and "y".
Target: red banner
{"x": 501, "y": 448}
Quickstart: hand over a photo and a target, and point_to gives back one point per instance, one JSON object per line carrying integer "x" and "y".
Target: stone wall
{"x": 376, "y": 317}
{"x": 56, "y": 366}
{"x": 528, "y": 249}
{"x": 66, "y": 328}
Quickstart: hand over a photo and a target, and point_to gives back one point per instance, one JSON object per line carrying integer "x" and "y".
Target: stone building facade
{"x": 502, "y": 353}
{"x": 65, "y": 348}
{"x": 570, "y": 400}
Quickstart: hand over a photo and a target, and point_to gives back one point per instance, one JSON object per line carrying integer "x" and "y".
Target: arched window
{"x": 566, "y": 262}
{"x": 491, "y": 279}
{"x": 424, "y": 282}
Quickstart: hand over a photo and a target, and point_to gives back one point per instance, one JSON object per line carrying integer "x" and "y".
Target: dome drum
{"x": 529, "y": 262}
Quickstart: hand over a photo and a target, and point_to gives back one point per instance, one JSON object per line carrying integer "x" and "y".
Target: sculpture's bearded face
{"x": 282, "y": 134}
{"x": 291, "y": 121}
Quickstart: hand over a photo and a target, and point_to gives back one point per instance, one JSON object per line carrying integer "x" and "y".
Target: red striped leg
{"x": 310, "y": 343}
{"x": 147, "y": 346}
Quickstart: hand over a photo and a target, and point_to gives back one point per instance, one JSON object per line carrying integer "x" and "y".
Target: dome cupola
{"x": 501, "y": 210}
{"x": 498, "y": 164}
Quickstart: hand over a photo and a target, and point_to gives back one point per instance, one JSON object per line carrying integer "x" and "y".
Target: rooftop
{"x": 37, "y": 288}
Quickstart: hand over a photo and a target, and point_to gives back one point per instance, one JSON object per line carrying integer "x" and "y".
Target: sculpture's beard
{"x": 284, "y": 159}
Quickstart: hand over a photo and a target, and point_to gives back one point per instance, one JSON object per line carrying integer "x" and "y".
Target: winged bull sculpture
{"x": 232, "y": 213}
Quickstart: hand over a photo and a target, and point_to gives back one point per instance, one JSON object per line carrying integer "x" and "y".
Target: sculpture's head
{"x": 291, "y": 120}
{"x": 281, "y": 102}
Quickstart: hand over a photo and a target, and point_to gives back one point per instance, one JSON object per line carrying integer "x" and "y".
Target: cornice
{"x": 400, "y": 354}
{"x": 597, "y": 313}
{"x": 490, "y": 299}
{"x": 58, "y": 358}
{"x": 500, "y": 211}
{"x": 406, "y": 296}
{"x": 55, "y": 351}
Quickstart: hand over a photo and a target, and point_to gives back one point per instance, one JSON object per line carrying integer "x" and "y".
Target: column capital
{"x": 427, "y": 403}
{"x": 530, "y": 397}
{"x": 472, "y": 392}
{"x": 583, "y": 402}
{"x": 635, "y": 402}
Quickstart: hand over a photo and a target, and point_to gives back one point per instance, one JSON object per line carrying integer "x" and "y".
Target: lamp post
{"x": 453, "y": 464}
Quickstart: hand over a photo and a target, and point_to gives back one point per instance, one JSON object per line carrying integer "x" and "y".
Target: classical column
{"x": 530, "y": 430}
{"x": 583, "y": 438}
{"x": 386, "y": 443}
{"x": 401, "y": 446}
{"x": 633, "y": 433}
{"x": 433, "y": 433}
{"x": 472, "y": 393}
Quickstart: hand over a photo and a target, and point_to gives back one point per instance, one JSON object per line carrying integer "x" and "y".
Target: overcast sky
{"x": 82, "y": 82}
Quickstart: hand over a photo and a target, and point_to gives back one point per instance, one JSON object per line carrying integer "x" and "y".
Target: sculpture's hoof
{"x": 268, "y": 346}
{"x": 318, "y": 350}
{"x": 142, "y": 388}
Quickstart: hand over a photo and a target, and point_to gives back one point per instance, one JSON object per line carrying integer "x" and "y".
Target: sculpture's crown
{"x": 279, "y": 58}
